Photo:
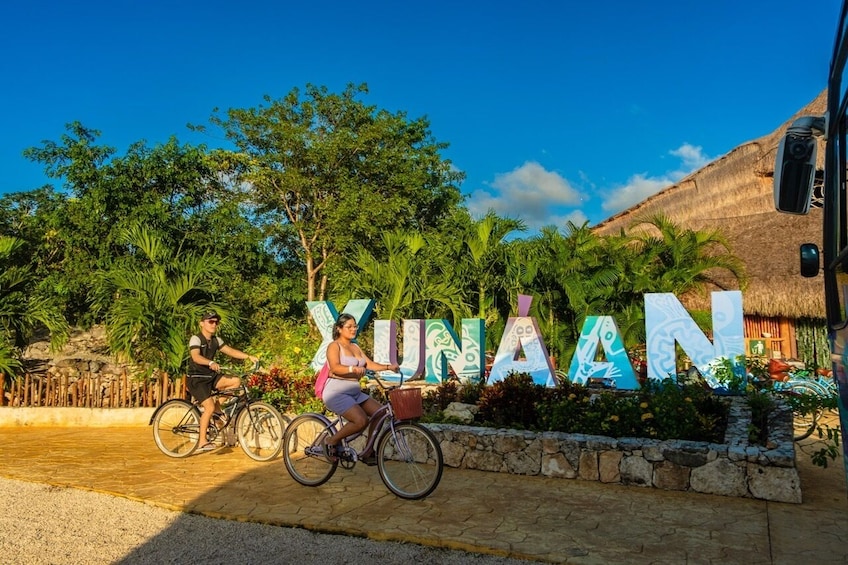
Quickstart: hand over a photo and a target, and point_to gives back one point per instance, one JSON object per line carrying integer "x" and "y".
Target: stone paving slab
{"x": 554, "y": 520}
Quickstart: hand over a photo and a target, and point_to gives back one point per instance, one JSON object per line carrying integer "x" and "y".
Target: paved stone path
{"x": 554, "y": 520}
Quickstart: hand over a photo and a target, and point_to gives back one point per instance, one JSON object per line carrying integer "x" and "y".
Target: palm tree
{"x": 408, "y": 283}
{"x": 665, "y": 259}
{"x": 152, "y": 301}
{"x": 489, "y": 255}
{"x": 22, "y": 309}
{"x": 683, "y": 260}
{"x": 573, "y": 274}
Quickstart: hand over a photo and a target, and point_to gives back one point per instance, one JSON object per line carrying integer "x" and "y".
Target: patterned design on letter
{"x": 324, "y": 314}
{"x": 603, "y": 330}
{"x": 443, "y": 350}
{"x": 522, "y": 333}
{"x": 667, "y": 322}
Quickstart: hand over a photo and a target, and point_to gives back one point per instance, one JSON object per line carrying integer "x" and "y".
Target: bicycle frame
{"x": 373, "y": 431}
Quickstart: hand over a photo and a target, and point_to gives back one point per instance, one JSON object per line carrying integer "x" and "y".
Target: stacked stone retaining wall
{"x": 733, "y": 468}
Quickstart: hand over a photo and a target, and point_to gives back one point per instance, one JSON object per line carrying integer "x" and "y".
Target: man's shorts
{"x": 201, "y": 386}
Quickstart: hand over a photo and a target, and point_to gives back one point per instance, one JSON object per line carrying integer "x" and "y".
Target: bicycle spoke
{"x": 176, "y": 428}
{"x": 260, "y": 430}
{"x": 409, "y": 460}
{"x": 303, "y": 453}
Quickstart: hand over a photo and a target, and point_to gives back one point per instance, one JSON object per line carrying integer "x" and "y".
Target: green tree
{"x": 182, "y": 192}
{"x": 408, "y": 283}
{"x": 23, "y": 312}
{"x": 153, "y": 297}
{"x": 683, "y": 260}
{"x": 328, "y": 172}
{"x": 489, "y": 259}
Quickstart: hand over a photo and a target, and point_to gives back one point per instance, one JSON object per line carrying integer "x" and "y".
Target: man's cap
{"x": 210, "y": 315}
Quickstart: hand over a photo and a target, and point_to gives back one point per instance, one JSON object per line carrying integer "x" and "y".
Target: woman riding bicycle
{"x": 204, "y": 372}
{"x": 342, "y": 393}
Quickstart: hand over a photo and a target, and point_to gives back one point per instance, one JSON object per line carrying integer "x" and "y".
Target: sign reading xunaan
{"x": 431, "y": 347}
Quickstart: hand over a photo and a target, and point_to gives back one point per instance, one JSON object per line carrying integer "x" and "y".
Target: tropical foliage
{"x": 319, "y": 196}
{"x": 659, "y": 410}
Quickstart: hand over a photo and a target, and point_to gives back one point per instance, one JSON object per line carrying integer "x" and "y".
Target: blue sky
{"x": 555, "y": 110}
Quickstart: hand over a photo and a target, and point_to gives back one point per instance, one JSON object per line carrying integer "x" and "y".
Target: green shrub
{"x": 659, "y": 410}
{"x": 291, "y": 392}
{"x": 511, "y": 403}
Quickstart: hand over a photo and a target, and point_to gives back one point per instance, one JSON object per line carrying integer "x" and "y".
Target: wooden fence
{"x": 90, "y": 391}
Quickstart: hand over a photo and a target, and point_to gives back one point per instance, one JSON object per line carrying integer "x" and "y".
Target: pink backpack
{"x": 321, "y": 380}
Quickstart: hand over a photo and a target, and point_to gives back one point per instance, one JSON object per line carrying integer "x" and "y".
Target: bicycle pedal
{"x": 315, "y": 451}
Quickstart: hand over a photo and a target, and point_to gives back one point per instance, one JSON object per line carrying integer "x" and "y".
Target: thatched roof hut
{"x": 735, "y": 194}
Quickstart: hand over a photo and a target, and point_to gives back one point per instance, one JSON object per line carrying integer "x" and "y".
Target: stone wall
{"x": 733, "y": 468}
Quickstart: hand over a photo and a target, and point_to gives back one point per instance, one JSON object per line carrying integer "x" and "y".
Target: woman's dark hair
{"x": 337, "y": 327}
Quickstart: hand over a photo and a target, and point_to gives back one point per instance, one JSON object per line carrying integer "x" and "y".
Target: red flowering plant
{"x": 287, "y": 391}
{"x": 289, "y": 383}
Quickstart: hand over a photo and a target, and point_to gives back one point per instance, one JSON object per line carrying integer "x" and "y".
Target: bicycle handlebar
{"x": 372, "y": 375}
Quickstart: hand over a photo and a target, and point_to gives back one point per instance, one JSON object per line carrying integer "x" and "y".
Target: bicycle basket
{"x": 406, "y": 403}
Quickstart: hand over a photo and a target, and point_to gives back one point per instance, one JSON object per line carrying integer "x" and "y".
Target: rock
{"x": 462, "y": 412}
{"x": 720, "y": 477}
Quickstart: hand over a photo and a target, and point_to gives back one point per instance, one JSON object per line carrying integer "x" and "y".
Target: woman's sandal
{"x": 208, "y": 446}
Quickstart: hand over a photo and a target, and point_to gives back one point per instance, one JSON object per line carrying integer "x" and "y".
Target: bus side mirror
{"x": 795, "y": 166}
{"x": 809, "y": 260}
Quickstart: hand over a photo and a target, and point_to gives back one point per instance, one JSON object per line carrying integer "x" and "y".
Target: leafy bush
{"x": 511, "y": 402}
{"x": 284, "y": 343}
{"x": 659, "y": 410}
{"x": 291, "y": 392}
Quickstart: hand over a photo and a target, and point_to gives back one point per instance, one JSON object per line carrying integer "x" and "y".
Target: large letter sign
{"x": 385, "y": 346}
{"x": 522, "y": 335}
{"x": 603, "y": 330}
{"x": 443, "y": 349}
{"x": 324, "y": 314}
{"x": 667, "y": 322}
{"x": 431, "y": 346}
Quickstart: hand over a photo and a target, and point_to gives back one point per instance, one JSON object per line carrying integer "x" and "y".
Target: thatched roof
{"x": 735, "y": 194}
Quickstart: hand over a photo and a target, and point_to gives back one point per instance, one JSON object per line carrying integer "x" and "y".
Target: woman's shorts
{"x": 340, "y": 395}
{"x": 201, "y": 386}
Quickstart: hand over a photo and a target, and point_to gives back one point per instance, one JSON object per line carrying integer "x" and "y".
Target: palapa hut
{"x": 735, "y": 194}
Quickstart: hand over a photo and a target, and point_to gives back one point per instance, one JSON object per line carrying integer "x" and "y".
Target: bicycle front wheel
{"x": 176, "y": 428}
{"x": 303, "y": 451}
{"x": 260, "y": 428}
{"x": 409, "y": 460}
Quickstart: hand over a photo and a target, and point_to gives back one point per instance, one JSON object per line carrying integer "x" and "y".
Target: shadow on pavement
{"x": 538, "y": 518}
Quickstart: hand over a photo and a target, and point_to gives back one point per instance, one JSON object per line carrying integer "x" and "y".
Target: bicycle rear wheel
{"x": 409, "y": 460}
{"x": 176, "y": 428}
{"x": 260, "y": 428}
{"x": 303, "y": 451}
{"x": 804, "y": 421}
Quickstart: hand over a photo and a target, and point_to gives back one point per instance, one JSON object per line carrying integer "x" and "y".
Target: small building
{"x": 784, "y": 312}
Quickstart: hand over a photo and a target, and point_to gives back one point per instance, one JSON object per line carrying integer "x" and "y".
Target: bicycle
{"x": 408, "y": 456}
{"x": 807, "y": 392}
{"x": 254, "y": 425}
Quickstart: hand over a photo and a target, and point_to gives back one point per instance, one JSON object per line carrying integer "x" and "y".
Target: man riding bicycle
{"x": 204, "y": 372}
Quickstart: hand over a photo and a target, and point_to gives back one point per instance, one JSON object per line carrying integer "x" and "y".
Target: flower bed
{"x": 732, "y": 468}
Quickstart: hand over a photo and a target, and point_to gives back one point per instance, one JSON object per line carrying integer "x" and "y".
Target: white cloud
{"x": 529, "y": 193}
{"x": 640, "y": 186}
{"x": 542, "y": 198}
{"x": 693, "y": 157}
